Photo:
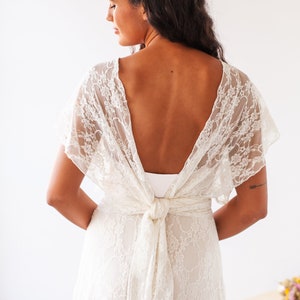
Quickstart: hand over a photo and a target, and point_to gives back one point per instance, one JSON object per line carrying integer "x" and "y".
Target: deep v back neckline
{"x": 201, "y": 135}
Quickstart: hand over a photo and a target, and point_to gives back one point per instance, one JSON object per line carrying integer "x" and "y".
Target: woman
{"x": 162, "y": 132}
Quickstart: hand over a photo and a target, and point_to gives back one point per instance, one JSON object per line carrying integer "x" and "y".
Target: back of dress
{"x": 138, "y": 245}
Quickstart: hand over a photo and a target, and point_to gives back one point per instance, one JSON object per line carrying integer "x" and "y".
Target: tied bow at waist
{"x": 150, "y": 275}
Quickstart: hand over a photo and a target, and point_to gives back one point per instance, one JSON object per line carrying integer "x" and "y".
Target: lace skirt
{"x": 193, "y": 249}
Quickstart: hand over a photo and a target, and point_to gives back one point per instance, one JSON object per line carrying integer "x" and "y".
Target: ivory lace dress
{"x": 144, "y": 244}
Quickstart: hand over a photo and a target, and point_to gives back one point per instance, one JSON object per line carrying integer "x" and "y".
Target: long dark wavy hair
{"x": 183, "y": 21}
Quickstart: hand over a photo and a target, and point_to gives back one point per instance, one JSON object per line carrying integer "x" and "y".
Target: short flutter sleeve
{"x": 253, "y": 133}
{"x": 81, "y": 125}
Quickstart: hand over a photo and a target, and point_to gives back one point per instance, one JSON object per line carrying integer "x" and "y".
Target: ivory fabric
{"x": 160, "y": 182}
{"x": 138, "y": 245}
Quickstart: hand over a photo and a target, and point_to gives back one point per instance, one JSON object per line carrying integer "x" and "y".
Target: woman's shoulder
{"x": 108, "y": 66}
{"x": 235, "y": 75}
{"x": 100, "y": 72}
{"x": 238, "y": 87}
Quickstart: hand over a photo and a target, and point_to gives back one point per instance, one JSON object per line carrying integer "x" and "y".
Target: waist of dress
{"x": 150, "y": 270}
{"x": 156, "y": 207}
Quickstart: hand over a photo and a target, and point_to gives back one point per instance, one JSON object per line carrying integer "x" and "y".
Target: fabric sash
{"x": 150, "y": 276}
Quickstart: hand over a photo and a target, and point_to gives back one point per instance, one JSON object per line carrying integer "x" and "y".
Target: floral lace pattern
{"x": 141, "y": 247}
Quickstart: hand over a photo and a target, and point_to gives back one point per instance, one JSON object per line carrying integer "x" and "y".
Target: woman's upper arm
{"x": 65, "y": 179}
{"x": 252, "y": 194}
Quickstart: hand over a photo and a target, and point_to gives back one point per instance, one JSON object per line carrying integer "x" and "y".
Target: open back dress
{"x": 153, "y": 236}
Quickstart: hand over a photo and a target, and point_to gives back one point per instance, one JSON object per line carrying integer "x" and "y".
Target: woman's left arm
{"x": 65, "y": 195}
{"x": 245, "y": 209}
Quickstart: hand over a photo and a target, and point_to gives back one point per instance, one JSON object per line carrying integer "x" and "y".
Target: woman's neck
{"x": 151, "y": 38}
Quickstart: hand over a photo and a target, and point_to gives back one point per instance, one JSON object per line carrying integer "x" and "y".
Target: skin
{"x": 66, "y": 195}
{"x": 168, "y": 110}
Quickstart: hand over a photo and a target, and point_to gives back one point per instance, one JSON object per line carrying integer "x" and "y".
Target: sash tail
{"x": 151, "y": 276}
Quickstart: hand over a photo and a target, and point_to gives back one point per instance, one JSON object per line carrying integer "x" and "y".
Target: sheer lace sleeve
{"x": 80, "y": 124}
{"x": 254, "y": 132}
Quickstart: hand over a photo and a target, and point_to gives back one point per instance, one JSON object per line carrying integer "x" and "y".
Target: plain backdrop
{"x": 46, "y": 47}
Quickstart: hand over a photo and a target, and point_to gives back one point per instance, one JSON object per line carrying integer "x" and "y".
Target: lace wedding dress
{"x": 141, "y": 245}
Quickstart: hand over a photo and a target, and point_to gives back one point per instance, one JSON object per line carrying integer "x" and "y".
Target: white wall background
{"x": 46, "y": 47}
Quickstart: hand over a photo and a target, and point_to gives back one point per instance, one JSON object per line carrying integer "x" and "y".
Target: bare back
{"x": 170, "y": 92}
